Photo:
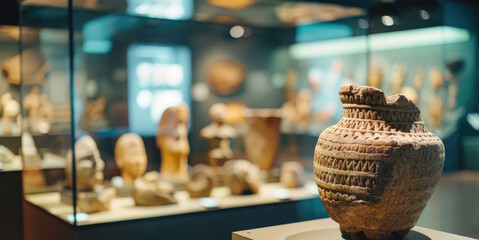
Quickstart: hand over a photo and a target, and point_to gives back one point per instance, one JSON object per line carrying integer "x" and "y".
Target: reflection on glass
{"x": 166, "y": 9}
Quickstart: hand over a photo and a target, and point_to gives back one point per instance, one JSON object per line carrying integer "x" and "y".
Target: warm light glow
{"x": 237, "y": 31}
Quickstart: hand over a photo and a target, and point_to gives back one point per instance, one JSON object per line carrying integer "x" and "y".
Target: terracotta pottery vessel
{"x": 378, "y": 166}
{"x": 262, "y": 135}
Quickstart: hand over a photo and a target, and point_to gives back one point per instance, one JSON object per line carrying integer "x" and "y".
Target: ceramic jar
{"x": 262, "y": 136}
{"x": 378, "y": 166}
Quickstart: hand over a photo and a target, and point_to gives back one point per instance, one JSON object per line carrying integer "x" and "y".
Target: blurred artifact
{"x": 454, "y": 66}
{"x": 225, "y": 77}
{"x": 39, "y": 111}
{"x": 436, "y": 79}
{"x": 150, "y": 191}
{"x": 242, "y": 177}
{"x": 29, "y": 35}
{"x": 6, "y": 155}
{"x": 292, "y": 175}
{"x": 94, "y": 115}
{"x": 262, "y": 136}
{"x": 10, "y": 114}
{"x": 201, "y": 181}
{"x": 130, "y": 157}
{"x": 418, "y": 79}
{"x": 90, "y": 202}
{"x": 378, "y": 166}
{"x": 410, "y": 93}
{"x": 294, "y": 13}
{"x": 231, "y": 4}
{"x": 218, "y": 133}
{"x": 375, "y": 77}
{"x": 33, "y": 71}
{"x": 303, "y": 108}
{"x": 29, "y": 150}
{"x": 398, "y": 77}
{"x": 234, "y": 113}
{"x": 88, "y": 163}
{"x": 92, "y": 197}
{"x": 172, "y": 139}
{"x": 436, "y": 112}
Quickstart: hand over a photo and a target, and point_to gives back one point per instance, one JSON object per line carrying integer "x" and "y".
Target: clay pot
{"x": 262, "y": 136}
{"x": 378, "y": 166}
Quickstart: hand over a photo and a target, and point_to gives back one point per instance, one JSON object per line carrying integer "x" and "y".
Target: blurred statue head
{"x": 217, "y": 112}
{"x": 88, "y": 163}
{"x": 130, "y": 157}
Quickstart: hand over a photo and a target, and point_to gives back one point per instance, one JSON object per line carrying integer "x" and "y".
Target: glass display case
{"x": 135, "y": 110}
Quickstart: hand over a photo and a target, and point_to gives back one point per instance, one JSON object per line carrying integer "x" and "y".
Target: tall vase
{"x": 378, "y": 166}
{"x": 262, "y": 136}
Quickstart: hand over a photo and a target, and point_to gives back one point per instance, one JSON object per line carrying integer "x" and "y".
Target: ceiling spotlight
{"x": 387, "y": 20}
{"x": 363, "y": 23}
{"x": 237, "y": 31}
{"x": 424, "y": 14}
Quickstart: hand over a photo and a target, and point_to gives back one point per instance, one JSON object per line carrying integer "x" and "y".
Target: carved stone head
{"x": 130, "y": 157}
{"x": 88, "y": 163}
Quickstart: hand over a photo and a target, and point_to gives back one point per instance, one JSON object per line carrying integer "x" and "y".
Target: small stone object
{"x": 292, "y": 175}
{"x": 262, "y": 136}
{"x": 150, "y": 191}
{"x": 201, "y": 181}
{"x": 10, "y": 113}
{"x": 130, "y": 157}
{"x": 378, "y": 166}
{"x": 91, "y": 202}
{"x": 242, "y": 177}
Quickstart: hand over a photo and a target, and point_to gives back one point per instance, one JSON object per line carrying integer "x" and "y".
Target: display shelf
{"x": 328, "y": 229}
{"x": 124, "y": 208}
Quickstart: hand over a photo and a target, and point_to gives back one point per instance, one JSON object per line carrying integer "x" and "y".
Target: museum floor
{"x": 454, "y": 206}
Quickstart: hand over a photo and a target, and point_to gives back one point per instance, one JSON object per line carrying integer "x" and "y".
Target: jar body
{"x": 378, "y": 166}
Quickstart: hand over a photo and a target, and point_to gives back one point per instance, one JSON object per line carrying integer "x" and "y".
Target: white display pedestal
{"x": 327, "y": 229}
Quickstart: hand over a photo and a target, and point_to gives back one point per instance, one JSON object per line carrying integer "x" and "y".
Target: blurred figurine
{"x": 172, "y": 139}
{"x": 6, "y": 156}
{"x": 303, "y": 108}
{"x": 33, "y": 71}
{"x": 419, "y": 79}
{"x": 436, "y": 79}
{"x": 410, "y": 94}
{"x": 242, "y": 177}
{"x": 201, "y": 181}
{"x": 219, "y": 134}
{"x": 39, "y": 110}
{"x": 436, "y": 112}
{"x": 130, "y": 157}
{"x": 94, "y": 115}
{"x": 89, "y": 176}
{"x": 292, "y": 175}
{"x": 9, "y": 112}
{"x": 150, "y": 191}
{"x": 88, "y": 163}
{"x": 398, "y": 77}
{"x": 454, "y": 66}
{"x": 375, "y": 77}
